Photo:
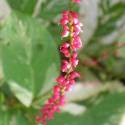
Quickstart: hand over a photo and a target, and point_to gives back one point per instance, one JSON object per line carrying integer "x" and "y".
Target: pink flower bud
{"x": 56, "y": 96}
{"x": 65, "y": 49}
{"x": 77, "y": 30}
{"x": 65, "y": 45}
{"x": 65, "y": 13}
{"x": 75, "y": 55}
{"x": 74, "y": 62}
{"x": 65, "y": 66}
{"x": 69, "y": 87}
{"x": 60, "y": 79}
{"x": 38, "y": 119}
{"x": 77, "y": 43}
{"x": 74, "y": 75}
{"x": 72, "y": 82}
{"x": 50, "y": 101}
{"x": 62, "y": 100}
{"x": 65, "y": 33}
{"x": 74, "y": 14}
{"x": 56, "y": 89}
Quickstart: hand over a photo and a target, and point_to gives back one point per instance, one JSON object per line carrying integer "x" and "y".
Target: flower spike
{"x": 71, "y": 30}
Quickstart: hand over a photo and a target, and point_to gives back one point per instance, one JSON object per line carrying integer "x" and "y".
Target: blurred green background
{"x": 30, "y": 60}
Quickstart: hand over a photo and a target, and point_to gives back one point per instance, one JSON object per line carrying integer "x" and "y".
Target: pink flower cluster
{"x": 71, "y": 29}
{"x": 76, "y": 1}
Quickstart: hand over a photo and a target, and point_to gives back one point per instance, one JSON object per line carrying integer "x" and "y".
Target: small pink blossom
{"x": 64, "y": 21}
{"x": 77, "y": 43}
{"x": 65, "y": 49}
{"x": 60, "y": 79}
{"x": 74, "y": 75}
{"x": 74, "y": 62}
{"x": 65, "y": 33}
{"x": 62, "y": 100}
{"x": 65, "y": 13}
{"x": 56, "y": 90}
{"x": 65, "y": 66}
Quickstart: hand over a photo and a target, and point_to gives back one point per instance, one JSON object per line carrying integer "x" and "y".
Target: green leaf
{"x": 2, "y": 98}
{"x": 26, "y": 6}
{"x": 4, "y": 116}
{"x": 56, "y": 30}
{"x": 50, "y": 9}
{"x": 117, "y": 8}
{"x": 13, "y": 117}
{"x": 107, "y": 23}
{"x": 106, "y": 28}
{"x": 53, "y": 8}
{"x": 108, "y": 111}
{"x": 21, "y": 119}
{"x": 28, "y": 52}
{"x": 105, "y": 5}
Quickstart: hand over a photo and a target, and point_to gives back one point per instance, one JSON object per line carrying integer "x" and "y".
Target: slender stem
{"x": 37, "y": 8}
